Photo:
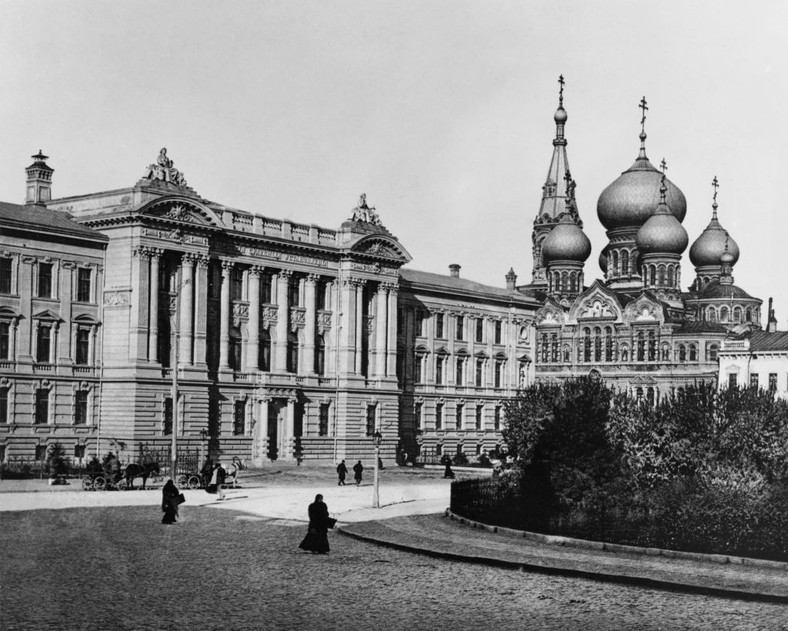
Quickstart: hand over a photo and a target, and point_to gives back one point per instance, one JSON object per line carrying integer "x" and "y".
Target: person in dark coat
{"x": 448, "y": 473}
{"x": 342, "y": 472}
{"x": 358, "y": 469}
{"x": 169, "y": 502}
{"x": 217, "y": 479}
{"x": 316, "y": 540}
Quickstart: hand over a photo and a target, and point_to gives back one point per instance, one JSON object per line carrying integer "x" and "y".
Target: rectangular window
{"x": 772, "y": 382}
{"x": 479, "y": 413}
{"x": 371, "y": 420}
{"x": 498, "y": 332}
{"x": 479, "y": 372}
{"x": 498, "y": 373}
{"x": 419, "y": 318}
{"x": 322, "y": 429}
{"x": 497, "y": 418}
{"x": 459, "y": 373}
{"x": 417, "y": 363}
{"x": 439, "y": 369}
{"x": 4, "y": 405}
{"x": 83, "y": 347}
{"x": 237, "y": 284}
{"x": 81, "y": 407}
{"x": 480, "y": 329}
{"x": 6, "y": 285}
{"x": 294, "y": 292}
{"x": 44, "y": 280}
{"x": 439, "y": 332}
{"x": 43, "y": 343}
{"x": 732, "y": 380}
{"x": 460, "y": 333}
{"x": 42, "y": 406}
{"x": 438, "y": 415}
{"x": 458, "y": 415}
{"x": 5, "y": 340}
{"x": 83, "y": 285}
{"x": 320, "y": 295}
{"x": 167, "y": 420}
{"x": 754, "y": 380}
{"x": 79, "y": 452}
{"x": 267, "y": 289}
{"x": 2, "y": 453}
{"x": 417, "y": 411}
{"x": 239, "y": 418}
{"x": 41, "y": 452}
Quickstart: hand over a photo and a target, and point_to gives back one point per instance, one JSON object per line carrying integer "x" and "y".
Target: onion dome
{"x": 709, "y": 247}
{"x": 662, "y": 233}
{"x": 566, "y": 242}
{"x": 560, "y": 115}
{"x": 603, "y": 261}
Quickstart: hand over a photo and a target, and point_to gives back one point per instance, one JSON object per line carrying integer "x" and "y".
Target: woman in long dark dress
{"x": 169, "y": 502}
{"x": 316, "y": 539}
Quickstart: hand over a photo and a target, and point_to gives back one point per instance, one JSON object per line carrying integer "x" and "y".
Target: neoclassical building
{"x": 635, "y": 327}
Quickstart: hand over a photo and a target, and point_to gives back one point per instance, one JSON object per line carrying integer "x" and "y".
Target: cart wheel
{"x": 194, "y": 482}
{"x": 183, "y": 480}
{"x": 99, "y": 483}
{"x": 121, "y": 484}
{"x": 87, "y": 484}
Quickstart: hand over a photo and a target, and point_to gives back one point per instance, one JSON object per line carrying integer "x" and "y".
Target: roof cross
{"x": 644, "y": 108}
{"x": 561, "y": 90}
{"x": 662, "y": 188}
{"x": 715, "y": 185}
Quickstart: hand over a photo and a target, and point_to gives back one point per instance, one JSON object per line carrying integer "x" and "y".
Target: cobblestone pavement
{"x": 119, "y": 568}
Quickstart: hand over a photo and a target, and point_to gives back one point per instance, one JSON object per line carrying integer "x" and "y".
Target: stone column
{"x": 153, "y": 311}
{"x": 282, "y": 320}
{"x": 359, "y": 325}
{"x": 25, "y": 292}
{"x": 67, "y": 294}
{"x": 310, "y": 322}
{"x": 138, "y": 331}
{"x": 224, "y": 315}
{"x": 253, "y": 345}
{"x": 54, "y": 342}
{"x": 391, "y": 350}
{"x": 289, "y": 439}
{"x": 186, "y": 291}
{"x": 381, "y": 324}
{"x": 346, "y": 329}
{"x": 201, "y": 311}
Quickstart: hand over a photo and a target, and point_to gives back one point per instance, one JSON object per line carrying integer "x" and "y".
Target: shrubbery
{"x": 704, "y": 470}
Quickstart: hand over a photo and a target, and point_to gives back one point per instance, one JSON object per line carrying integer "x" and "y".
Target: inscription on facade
{"x": 174, "y": 235}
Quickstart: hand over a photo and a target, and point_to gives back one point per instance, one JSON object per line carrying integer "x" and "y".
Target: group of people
{"x": 358, "y": 472}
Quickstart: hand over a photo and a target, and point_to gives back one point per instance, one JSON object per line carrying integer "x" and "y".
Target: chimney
{"x": 454, "y": 270}
{"x": 39, "y": 181}
{"x": 771, "y": 326}
{"x": 511, "y": 279}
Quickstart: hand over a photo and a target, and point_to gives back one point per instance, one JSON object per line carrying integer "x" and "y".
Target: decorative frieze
{"x": 117, "y": 297}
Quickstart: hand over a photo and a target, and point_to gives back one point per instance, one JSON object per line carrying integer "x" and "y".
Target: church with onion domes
{"x": 637, "y": 327}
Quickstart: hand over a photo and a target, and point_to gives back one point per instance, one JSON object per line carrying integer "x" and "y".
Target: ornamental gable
{"x": 596, "y": 303}
{"x": 644, "y": 310}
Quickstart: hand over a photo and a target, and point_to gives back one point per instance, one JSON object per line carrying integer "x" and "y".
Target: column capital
{"x": 285, "y": 274}
{"x": 68, "y": 264}
{"x": 227, "y": 266}
{"x": 256, "y": 270}
{"x": 312, "y": 277}
{"x": 392, "y": 288}
{"x": 202, "y": 261}
{"x": 190, "y": 257}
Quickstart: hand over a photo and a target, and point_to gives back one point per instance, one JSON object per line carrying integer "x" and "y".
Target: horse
{"x": 144, "y": 471}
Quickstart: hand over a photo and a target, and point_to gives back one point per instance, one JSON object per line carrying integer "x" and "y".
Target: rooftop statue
{"x": 164, "y": 171}
{"x": 365, "y": 213}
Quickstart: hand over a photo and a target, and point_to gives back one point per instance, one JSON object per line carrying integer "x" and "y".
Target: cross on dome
{"x": 561, "y": 90}
{"x": 644, "y": 108}
{"x": 715, "y": 185}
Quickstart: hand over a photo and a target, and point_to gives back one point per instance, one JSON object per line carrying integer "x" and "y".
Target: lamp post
{"x": 377, "y": 438}
{"x": 174, "y": 387}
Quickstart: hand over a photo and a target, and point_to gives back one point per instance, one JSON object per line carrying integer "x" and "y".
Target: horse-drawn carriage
{"x": 117, "y": 479}
{"x": 200, "y": 479}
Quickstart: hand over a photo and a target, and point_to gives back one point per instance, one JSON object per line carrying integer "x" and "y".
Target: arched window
{"x": 608, "y": 344}
{"x": 711, "y": 314}
{"x": 693, "y": 353}
{"x": 665, "y": 354}
{"x": 652, "y": 346}
{"x": 587, "y": 344}
{"x": 236, "y": 346}
{"x": 748, "y": 315}
{"x": 737, "y": 314}
{"x": 661, "y": 276}
{"x": 650, "y": 396}
{"x": 597, "y": 344}
{"x": 567, "y": 355}
{"x": 641, "y": 346}
{"x": 554, "y": 347}
{"x": 292, "y": 353}
{"x": 723, "y": 314}
{"x": 624, "y": 262}
{"x": 264, "y": 359}
{"x": 671, "y": 276}
{"x": 320, "y": 355}
{"x": 614, "y": 263}
{"x": 713, "y": 350}
{"x": 624, "y": 353}
{"x": 564, "y": 282}
{"x": 682, "y": 353}
{"x": 545, "y": 348}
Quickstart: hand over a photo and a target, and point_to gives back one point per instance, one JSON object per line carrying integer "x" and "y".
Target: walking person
{"x": 358, "y": 469}
{"x": 169, "y": 502}
{"x": 448, "y": 473}
{"x": 316, "y": 540}
{"x": 342, "y": 472}
{"x": 217, "y": 479}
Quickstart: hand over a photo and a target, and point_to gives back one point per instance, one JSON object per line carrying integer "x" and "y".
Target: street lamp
{"x": 377, "y": 438}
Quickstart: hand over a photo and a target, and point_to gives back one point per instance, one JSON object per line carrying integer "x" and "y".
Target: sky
{"x": 440, "y": 111}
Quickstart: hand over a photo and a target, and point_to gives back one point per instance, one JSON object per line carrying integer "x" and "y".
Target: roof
{"x": 45, "y": 220}
{"x": 452, "y": 284}
{"x": 765, "y": 341}
{"x": 715, "y": 291}
{"x": 700, "y": 326}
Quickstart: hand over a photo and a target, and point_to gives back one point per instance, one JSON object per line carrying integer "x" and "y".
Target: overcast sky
{"x": 441, "y": 112}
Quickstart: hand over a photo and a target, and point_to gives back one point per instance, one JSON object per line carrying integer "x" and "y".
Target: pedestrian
{"x": 217, "y": 479}
{"x": 358, "y": 469}
{"x": 448, "y": 473}
{"x": 316, "y": 540}
{"x": 341, "y": 472}
{"x": 169, "y": 502}
{"x": 380, "y": 463}
{"x": 206, "y": 472}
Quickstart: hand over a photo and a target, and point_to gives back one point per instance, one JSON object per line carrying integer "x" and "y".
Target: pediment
{"x": 381, "y": 246}
{"x": 596, "y": 303}
{"x": 9, "y": 312}
{"x": 47, "y": 315}
{"x": 550, "y": 315}
{"x": 85, "y": 318}
{"x": 644, "y": 310}
{"x": 182, "y": 210}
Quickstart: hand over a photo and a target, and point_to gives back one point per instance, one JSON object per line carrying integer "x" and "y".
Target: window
{"x": 419, "y": 316}
{"x": 42, "y": 406}
{"x": 587, "y": 345}
{"x": 239, "y": 418}
{"x": 440, "y": 372}
{"x": 754, "y": 380}
{"x": 83, "y": 285}
{"x": 4, "y": 405}
{"x": 665, "y": 353}
{"x": 371, "y": 425}
{"x": 460, "y": 371}
{"x": 320, "y": 295}
{"x": 44, "y": 280}
{"x": 554, "y": 347}
{"x": 458, "y": 414}
{"x": 236, "y": 284}
{"x": 418, "y": 362}
{"x": 79, "y": 452}
{"x": 267, "y": 289}
{"x": 2, "y": 453}
{"x": 497, "y": 418}
{"x": 417, "y": 413}
{"x": 83, "y": 347}
{"x": 772, "y": 382}
{"x": 438, "y": 415}
{"x": 597, "y": 344}
{"x": 438, "y": 450}
{"x": 713, "y": 351}
{"x": 460, "y": 334}
{"x": 711, "y": 314}
{"x": 732, "y": 380}
{"x": 545, "y": 348}
{"x": 479, "y": 413}
{"x": 498, "y": 373}
{"x": 320, "y": 355}
{"x": 236, "y": 348}
{"x": 479, "y": 372}
{"x": 5, "y": 340}
{"x": 43, "y": 343}
{"x": 41, "y": 452}
{"x": 322, "y": 428}
{"x": 693, "y": 353}
{"x": 498, "y": 332}
{"x": 479, "y": 329}
{"x": 682, "y": 353}
{"x": 293, "y": 292}
{"x": 439, "y": 332}
{"x": 81, "y": 407}
{"x": 641, "y": 346}
{"x": 6, "y": 286}
{"x": 264, "y": 359}
{"x": 292, "y": 353}
{"x": 167, "y": 420}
